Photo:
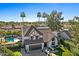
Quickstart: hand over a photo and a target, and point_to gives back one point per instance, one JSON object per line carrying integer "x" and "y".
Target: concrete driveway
{"x": 37, "y": 52}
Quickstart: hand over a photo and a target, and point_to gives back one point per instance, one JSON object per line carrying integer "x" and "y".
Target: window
{"x": 34, "y": 37}
{"x": 31, "y": 37}
{"x": 37, "y": 37}
{"x": 53, "y": 43}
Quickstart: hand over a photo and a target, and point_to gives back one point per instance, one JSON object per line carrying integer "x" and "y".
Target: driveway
{"x": 37, "y": 52}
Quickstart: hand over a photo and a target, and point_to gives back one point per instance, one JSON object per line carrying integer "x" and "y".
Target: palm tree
{"x": 39, "y": 15}
{"x": 44, "y": 15}
{"x": 76, "y": 18}
{"x": 22, "y": 15}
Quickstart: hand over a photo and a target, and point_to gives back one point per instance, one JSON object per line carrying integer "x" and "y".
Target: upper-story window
{"x": 34, "y": 35}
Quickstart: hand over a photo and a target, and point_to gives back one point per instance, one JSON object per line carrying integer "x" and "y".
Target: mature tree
{"x": 75, "y": 31}
{"x": 39, "y": 15}
{"x": 54, "y": 20}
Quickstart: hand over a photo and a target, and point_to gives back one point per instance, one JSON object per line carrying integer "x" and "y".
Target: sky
{"x": 11, "y": 11}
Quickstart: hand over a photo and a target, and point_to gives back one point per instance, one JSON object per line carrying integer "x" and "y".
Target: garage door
{"x": 34, "y": 47}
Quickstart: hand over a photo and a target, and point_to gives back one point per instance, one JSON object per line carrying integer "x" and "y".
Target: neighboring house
{"x": 37, "y": 37}
{"x": 65, "y": 34}
{"x": 6, "y": 27}
{"x": 11, "y": 28}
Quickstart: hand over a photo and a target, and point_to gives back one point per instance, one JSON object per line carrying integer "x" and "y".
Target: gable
{"x": 33, "y": 30}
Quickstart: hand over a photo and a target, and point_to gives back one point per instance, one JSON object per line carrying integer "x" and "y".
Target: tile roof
{"x": 45, "y": 31}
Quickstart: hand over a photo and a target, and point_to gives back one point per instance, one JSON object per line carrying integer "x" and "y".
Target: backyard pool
{"x": 10, "y": 39}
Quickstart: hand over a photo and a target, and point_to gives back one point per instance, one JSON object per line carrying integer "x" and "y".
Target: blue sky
{"x": 11, "y": 11}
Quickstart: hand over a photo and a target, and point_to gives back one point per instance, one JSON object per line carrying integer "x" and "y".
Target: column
{"x": 56, "y": 41}
{"x": 49, "y": 44}
{"x": 42, "y": 46}
{"x": 27, "y": 48}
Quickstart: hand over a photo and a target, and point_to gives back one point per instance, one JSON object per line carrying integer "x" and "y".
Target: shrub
{"x": 14, "y": 48}
{"x": 8, "y": 33}
{"x": 51, "y": 54}
{"x": 66, "y": 52}
{"x": 7, "y": 52}
{"x": 68, "y": 44}
{"x": 17, "y": 53}
{"x": 75, "y": 51}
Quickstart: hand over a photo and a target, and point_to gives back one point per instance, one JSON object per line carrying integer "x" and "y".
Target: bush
{"x": 51, "y": 54}
{"x": 17, "y": 53}
{"x": 66, "y": 52}
{"x": 7, "y": 52}
{"x": 68, "y": 44}
{"x": 75, "y": 51}
{"x": 8, "y": 33}
{"x": 14, "y": 48}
